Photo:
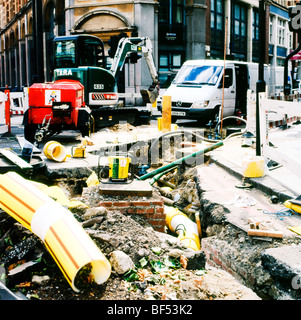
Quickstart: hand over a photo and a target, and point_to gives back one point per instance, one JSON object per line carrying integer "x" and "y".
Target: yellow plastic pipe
{"x": 186, "y": 229}
{"x": 68, "y": 243}
{"x": 293, "y": 206}
{"x": 55, "y": 151}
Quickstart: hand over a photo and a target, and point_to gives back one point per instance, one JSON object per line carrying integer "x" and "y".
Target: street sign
{"x": 295, "y": 16}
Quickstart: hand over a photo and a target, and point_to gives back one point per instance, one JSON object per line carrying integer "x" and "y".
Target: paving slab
{"x": 280, "y": 181}
{"x": 131, "y": 188}
{"x": 284, "y": 263}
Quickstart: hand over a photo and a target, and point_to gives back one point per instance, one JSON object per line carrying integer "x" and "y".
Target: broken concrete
{"x": 284, "y": 266}
{"x": 121, "y": 262}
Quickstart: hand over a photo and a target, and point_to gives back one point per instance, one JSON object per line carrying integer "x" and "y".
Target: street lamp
{"x": 260, "y": 85}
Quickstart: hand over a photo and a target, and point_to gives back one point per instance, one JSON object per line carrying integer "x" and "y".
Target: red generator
{"x": 54, "y": 107}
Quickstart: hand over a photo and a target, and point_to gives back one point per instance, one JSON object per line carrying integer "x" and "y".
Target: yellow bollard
{"x": 166, "y": 114}
{"x": 159, "y": 124}
{"x": 253, "y": 166}
{"x": 68, "y": 243}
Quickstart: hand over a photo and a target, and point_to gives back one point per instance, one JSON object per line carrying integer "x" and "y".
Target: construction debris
{"x": 167, "y": 269}
{"x": 147, "y": 264}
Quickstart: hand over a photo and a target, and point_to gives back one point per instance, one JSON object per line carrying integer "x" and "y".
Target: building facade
{"x": 179, "y": 30}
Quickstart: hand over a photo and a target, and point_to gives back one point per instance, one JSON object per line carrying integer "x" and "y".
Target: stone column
{"x": 196, "y": 29}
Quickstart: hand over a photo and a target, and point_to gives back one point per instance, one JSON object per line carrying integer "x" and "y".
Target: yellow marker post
{"x": 166, "y": 114}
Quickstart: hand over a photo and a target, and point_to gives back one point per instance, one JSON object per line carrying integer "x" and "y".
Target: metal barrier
{"x": 291, "y": 111}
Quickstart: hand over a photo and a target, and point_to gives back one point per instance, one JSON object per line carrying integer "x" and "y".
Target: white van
{"x": 196, "y": 92}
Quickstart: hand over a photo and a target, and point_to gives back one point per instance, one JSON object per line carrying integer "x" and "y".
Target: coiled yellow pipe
{"x": 68, "y": 243}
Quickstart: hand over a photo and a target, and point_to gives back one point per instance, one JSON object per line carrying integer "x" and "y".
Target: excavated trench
{"x": 226, "y": 245}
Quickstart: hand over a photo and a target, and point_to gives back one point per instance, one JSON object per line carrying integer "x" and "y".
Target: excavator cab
{"x": 78, "y": 51}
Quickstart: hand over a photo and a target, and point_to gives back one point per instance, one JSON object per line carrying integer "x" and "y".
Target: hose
{"x": 179, "y": 132}
{"x": 235, "y": 133}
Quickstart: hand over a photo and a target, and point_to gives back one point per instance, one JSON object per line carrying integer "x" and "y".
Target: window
{"x": 169, "y": 64}
{"x": 217, "y": 14}
{"x": 217, "y": 28}
{"x": 228, "y": 79}
{"x": 255, "y": 36}
{"x": 65, "y": 54}
{"x": 239, "y": 31}
{"x": 255, "y": 31}
{"x": 171, "y": 11}
{"x": 271, "y": 33}
{"x": 90, "y": 53}
{"x": 281, "y": 32}
{"x": 198, "y": 75}
{"x": 177, "y": 11}
{"x": 171, "y": 38}
{"x": 164, "y": 11}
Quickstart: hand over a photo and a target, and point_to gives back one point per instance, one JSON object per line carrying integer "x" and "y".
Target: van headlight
{"x": 200, "y": 104}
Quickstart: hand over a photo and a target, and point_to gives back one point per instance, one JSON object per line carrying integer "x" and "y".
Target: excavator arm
{"x": 138, "y": 45}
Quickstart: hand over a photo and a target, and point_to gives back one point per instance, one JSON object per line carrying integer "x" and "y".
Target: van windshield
{"x": 198, "y": 75}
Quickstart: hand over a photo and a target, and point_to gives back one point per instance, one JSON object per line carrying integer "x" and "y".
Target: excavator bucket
{"x": 150, "y": 95}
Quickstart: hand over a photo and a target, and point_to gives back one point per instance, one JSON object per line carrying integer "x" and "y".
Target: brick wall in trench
{"x": 152, "y": 210}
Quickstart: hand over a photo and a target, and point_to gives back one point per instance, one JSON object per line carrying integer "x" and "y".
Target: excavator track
{"x": 105, "y": 117}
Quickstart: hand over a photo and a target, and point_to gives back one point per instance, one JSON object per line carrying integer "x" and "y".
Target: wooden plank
{"x": 11, "y": 156}
{"x": 265, "y": 233}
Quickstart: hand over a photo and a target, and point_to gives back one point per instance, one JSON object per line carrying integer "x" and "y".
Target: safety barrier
{"x": 270, "y": 118}
{"x": 5, "y": 125}
{"x": 290, "y": 110}
{"x": 19, "y": 102}
{"x": 11, "y": 103}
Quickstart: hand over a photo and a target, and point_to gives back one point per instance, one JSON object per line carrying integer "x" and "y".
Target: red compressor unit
{"x": 54, "y": 107}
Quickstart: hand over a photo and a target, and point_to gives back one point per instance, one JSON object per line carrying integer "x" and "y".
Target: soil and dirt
{"x": 163, "y": 269}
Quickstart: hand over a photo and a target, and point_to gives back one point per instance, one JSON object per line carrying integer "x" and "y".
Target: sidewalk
{"x": 279, "y": 181}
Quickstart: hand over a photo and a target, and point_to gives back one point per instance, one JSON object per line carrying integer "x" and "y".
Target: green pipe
{"x": 180, "y": 161}
{"x": 157, "y": 177}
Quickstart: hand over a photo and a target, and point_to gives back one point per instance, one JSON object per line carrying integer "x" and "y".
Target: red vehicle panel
{"x": 59, "y": 100}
